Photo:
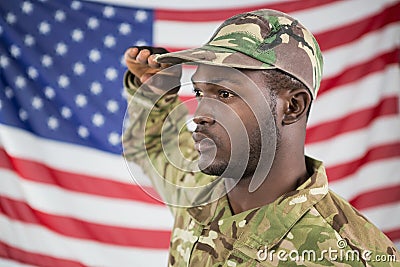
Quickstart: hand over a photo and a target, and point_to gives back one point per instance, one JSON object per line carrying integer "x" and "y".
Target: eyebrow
{"x": 217, "y": 81}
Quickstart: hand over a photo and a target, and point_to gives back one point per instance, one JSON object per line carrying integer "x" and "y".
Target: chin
{"x": 213, "y": 168}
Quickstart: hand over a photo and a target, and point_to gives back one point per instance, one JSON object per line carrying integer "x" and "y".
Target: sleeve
{"x": 158, "y": 140}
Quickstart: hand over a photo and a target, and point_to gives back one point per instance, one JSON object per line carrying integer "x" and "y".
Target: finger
{"x": 130, "y": 54}
{"x": 143, "y": 56}
{"x": 152, "y": 63}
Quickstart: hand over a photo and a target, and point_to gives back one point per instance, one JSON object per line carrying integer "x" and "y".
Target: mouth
{"x": 202, "y": 142}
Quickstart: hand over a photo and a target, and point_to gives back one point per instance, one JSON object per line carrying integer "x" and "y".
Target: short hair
{"x": 278, "y": 80}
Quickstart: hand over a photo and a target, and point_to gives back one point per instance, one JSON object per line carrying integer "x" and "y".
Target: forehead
{"x": 229, "y": 77}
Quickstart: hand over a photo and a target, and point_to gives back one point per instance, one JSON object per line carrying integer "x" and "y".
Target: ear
{"x": 298, "y": 102}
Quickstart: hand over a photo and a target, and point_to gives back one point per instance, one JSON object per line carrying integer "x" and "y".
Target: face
{"x": 233, "y": 118}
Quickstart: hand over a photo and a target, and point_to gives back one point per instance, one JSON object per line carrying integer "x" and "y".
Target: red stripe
{"x": 71, "y": 227}
{"x": 19, "y": 255}
{"x": 341, "y": 171}
{"x": 346, "y": 34}
{"x": 353, "y": 73}
{"x": 38, "y": 172}
{"x": 377, "y": 197}
{"x": 393, "y": 235}
{"x": 190, "y": 104}
{"x": 352, "y": 122}
{"x": 222, "y": 14}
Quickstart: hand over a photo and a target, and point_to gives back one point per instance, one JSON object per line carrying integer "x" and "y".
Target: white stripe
{"x": 360, "y": 50}
{"x": 371, "y": 176}
{"x": 11, "y": 263}
{"x": 91, "y": 208}
{"x": 317, "y": 20}
{"x": 353, "y": 145}
{"x": 36, "y": 239}
{"x": 384, "y": 216}
{"x": 175, "y": 34}
{"x": 187, "y": 5}
{"x": 359, "y": 95}
{"x": 68, "y": 157}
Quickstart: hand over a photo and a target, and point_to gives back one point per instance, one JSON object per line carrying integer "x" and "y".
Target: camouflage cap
{"x": 261, "y": 39}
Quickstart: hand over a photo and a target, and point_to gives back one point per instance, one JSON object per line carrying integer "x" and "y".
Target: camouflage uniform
{"x": 310, "y": 226}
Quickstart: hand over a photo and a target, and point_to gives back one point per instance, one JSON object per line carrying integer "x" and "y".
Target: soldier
{"x": 258, "y": 200}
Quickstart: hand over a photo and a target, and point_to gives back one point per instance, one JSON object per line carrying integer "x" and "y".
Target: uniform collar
{"x": 267, "y": 225}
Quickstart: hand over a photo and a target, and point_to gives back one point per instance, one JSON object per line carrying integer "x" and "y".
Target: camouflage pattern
{"x": 262, "y": 39}
{"x": 311, "y": 218}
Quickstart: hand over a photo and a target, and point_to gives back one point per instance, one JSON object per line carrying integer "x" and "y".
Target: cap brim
{"x": 212, "y": 55}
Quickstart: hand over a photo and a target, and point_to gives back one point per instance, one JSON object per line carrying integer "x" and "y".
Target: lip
{"x": 202, "y": 142}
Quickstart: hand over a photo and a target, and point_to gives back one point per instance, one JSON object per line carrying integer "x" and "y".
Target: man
{"x": 258, "y": 201}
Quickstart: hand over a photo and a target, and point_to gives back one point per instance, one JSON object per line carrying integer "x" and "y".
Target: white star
{"x": 111, "y": 74}
{"x": 94, "y": 55}
{"x": 44, "y": 27}
{"x": 29, "y": 40}
{"x": 32, "y": 73}
{"x": 79, "y": 68}
{"x": 77, "y": 35}
{"x": 96, "y": 88}
{"x": 83, "y": 131}
{"x": 27, "y": 7}
{"x": 98, "y": 119}
{"x": 124, "y": 94}
{"x": 112, "y": 106}
{"x": 122, "y": 61}
{"x": 23, "y": 115}
{"x": 140, "y": 42}
{"x": 49, "y": 92}
{"x": 61, "y": 49}
{"x": 47, "y": 61}
{"x": 93, "y": 23}
{"x": 108, "y": 12}
{"x": 11, "y": 18}
{"x": 76, "y": 5}
{"x": 15, "y": 51}
{"x": 20, "y": 82}
{"x": 9, "y": 92}
{"x": 140, "y": 16}
{"x": 109, "y": 41}
{"x": 37, "y": 102}
{"x": 60, "y": 16}
{"x": 52, "y": 123}
{"x": 63, "y": 81}
{"x": 4, "y": 61}
{"x": 80, "y": 100}
{"x": 66, "y": 112}
{"x": 114, "y": 138}
{"x": 124, "y": 28}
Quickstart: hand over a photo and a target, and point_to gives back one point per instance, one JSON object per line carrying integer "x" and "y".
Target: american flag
{"x": 66, "y": 195}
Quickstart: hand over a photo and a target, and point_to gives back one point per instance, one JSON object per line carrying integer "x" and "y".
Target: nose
{"x": 203, "y": 119}
{"x": 203, "y": 114}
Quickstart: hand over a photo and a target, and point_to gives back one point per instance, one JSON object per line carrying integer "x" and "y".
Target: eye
{"x": 197, "y": 93}
{"x": 225, "y": 94}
